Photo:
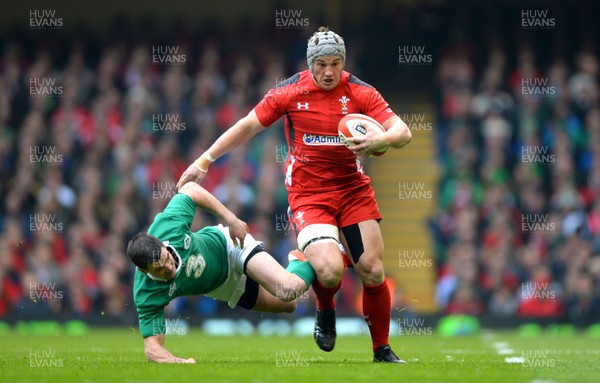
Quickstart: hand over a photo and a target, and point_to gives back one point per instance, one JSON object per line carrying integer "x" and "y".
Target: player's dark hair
{"x": 144, "y": 249}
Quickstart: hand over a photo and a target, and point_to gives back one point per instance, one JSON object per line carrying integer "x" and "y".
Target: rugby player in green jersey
{"x": 222, "y": 262}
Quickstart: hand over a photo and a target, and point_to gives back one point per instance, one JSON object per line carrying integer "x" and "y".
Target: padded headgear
{"x": 324, "y": 43}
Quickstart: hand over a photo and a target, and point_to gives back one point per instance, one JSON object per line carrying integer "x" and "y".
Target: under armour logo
{"x": 368, "y": 320}
{"x": 303, "y": 106}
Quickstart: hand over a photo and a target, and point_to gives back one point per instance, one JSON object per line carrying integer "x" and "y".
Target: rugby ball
{"x": 357, "y": 125}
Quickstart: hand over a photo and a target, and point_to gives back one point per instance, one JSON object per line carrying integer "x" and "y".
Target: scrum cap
{"x": 324, "y": 43}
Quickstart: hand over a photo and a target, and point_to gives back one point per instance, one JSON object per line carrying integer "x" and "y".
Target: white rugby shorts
{"x": 234, "y": 286}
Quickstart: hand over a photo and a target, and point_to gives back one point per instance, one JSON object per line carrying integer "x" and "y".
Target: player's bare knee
{"x": 330, "y": 277}
{"x": 371, "y": 273}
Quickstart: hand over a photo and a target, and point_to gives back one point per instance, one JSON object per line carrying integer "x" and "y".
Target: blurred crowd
{"x": 92, "y": 148}
{"x": 519, "y": 199}
{"x": 96, "y": 130}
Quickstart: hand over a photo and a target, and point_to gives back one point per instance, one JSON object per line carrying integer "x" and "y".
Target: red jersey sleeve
{"x": 376, "y": 107}
{"x": 270, "y": 108}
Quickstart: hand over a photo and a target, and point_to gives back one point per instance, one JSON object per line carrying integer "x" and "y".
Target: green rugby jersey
{"x": 203, "y": 264}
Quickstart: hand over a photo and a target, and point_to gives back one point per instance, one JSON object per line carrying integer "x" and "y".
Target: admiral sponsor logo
{"x": 319, "y": 139}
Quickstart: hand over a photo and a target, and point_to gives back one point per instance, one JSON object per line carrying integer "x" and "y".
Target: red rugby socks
{"x": 377, "y": 309}
{"x": 325, "y": 295}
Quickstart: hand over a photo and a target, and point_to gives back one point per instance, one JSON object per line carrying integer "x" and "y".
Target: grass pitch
{"x": 108, "y": 355}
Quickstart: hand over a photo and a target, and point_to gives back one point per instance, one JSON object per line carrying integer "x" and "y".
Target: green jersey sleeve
{"x": 150, "y": 300}
{"x": 175, "y": 220}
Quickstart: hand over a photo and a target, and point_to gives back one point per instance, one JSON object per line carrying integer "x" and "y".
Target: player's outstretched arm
{"x": 157, "y": 353}
{"x": 239, "y": 133}
{"x": 204, "y": 200}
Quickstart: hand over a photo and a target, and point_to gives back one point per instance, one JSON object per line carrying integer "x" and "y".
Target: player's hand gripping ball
{"x": 358, "y": 125}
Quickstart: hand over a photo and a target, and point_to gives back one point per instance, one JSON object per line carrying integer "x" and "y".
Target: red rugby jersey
{"x": 317, "y": 160}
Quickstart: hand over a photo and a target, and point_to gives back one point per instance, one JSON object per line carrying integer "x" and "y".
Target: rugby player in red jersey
{"x": 328, "y": 191}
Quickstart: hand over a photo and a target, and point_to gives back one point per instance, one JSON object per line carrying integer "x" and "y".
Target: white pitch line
{"x": 515, "y": 359}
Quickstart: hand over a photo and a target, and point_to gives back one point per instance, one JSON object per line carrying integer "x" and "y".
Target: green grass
{"x": 117, "y": 356}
